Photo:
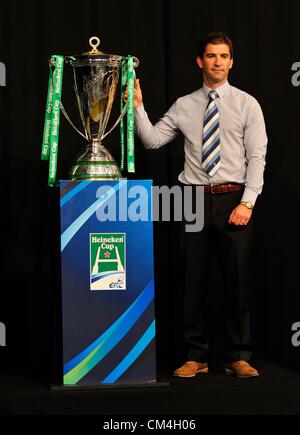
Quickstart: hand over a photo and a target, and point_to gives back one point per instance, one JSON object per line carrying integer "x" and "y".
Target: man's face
{"x": 216, "y": 64}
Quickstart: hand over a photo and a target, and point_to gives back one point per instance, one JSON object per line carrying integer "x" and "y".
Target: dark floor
{"x": 276, "y": 391}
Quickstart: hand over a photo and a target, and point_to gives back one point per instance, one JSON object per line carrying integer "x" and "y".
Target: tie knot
{"x": 213, "y": 94}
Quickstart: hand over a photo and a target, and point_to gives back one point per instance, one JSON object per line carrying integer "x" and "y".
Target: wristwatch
{"x": 247, "y": 204}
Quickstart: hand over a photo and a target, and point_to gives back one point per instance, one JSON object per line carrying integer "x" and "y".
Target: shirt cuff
{"x": 140, "y": 111}
{"x": 249, "y": 196}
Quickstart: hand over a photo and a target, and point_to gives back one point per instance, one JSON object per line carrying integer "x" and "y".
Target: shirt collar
{"x": 221, "y": 90}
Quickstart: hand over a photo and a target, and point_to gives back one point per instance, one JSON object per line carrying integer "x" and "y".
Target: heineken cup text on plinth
{"x": 96, "y": 77}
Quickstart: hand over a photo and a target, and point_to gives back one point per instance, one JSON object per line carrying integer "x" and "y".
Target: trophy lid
{"x": 96, "y": 57}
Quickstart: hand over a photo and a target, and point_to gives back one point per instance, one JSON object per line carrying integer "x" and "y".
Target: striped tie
{"x": 211, "y": 156}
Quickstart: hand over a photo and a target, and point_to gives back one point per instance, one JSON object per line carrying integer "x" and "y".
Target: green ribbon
{"x": 127, "y": 80}
{"x": 130, "y": 117}
{"x": 52, "y": 116}
{"x": 48, "y": 118}
{"x": 122, "y": 125}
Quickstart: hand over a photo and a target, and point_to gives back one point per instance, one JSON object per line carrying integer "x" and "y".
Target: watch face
{"x": 247, "y": 204}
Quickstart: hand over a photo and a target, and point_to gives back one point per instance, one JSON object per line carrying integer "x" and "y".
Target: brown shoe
{"x": 241, "y": 369}
{"x": 191, "y": 369}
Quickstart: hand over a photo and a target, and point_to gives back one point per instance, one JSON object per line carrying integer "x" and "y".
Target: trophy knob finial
{"x": 94, "y": 43}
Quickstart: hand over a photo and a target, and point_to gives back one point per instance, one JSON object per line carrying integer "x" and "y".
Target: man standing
{"x": 225, "y": 149}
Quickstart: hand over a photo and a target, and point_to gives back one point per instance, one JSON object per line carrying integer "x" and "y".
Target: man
{"x": 225, "y": 149}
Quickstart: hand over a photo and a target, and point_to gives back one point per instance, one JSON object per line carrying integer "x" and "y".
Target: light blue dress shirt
{"x": 242, "y": 133}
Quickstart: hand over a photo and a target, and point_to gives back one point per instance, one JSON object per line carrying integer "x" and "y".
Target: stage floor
{"x": 275, "y": 392}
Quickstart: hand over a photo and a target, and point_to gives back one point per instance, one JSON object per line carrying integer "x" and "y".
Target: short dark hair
{"x": 214, "y": 38}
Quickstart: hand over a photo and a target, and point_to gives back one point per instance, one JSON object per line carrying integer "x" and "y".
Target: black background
{"x": 164, "y": 35}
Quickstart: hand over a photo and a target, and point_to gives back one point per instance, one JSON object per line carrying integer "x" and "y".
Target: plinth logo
{"x": 108, "y": 261}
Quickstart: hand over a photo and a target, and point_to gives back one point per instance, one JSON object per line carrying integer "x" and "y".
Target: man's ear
{"x": 231, "y": 64}
{"x": 199, "y": 62}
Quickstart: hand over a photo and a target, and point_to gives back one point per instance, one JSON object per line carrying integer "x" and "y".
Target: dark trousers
{"x": 232, "y": 246}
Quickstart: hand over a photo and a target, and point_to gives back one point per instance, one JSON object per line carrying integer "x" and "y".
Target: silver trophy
{"x": 96, "y": 77}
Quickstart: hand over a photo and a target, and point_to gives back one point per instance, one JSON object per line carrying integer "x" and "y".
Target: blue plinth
{"x": 107, "y": 282}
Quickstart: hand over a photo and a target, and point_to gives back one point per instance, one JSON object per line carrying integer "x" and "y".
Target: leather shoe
{"x": 191, "y": 369}
{"x": 241, "y": 369}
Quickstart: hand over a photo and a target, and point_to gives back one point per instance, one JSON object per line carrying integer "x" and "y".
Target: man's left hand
{"x": 240, "y": 216}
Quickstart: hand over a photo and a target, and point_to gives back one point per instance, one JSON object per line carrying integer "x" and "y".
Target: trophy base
{"x": 95, "y": 164}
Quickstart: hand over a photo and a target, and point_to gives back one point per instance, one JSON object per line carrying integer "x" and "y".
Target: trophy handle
{"x": 117, "y": 122}
{"x": 65, "y": 113}
{"x": 70, "y": 122}
{"x": 120, "y": 117}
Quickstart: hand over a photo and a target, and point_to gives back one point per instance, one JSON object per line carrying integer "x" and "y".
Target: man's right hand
{"x": 138, "y": 96}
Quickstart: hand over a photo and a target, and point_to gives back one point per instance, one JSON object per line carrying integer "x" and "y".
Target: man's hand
{"x": 240, "y": 216}
{"x": 138, "y": 96}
